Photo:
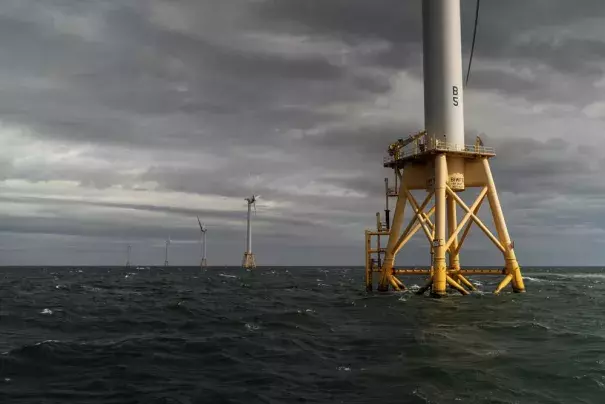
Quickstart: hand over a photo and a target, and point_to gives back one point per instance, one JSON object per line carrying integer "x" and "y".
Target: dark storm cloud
{"x": 83, "y": 227}
{"x": 116, "y": 89}
{"x": 532, "y": 166}
{"x": 194, "y": 96}
{"x": 369, "y": 140}
{"x": 502, "y": 24}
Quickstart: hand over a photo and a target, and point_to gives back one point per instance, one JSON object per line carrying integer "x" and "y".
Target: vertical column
{"x": 428, "y": 62}
{"x": 249, "y": 234}
{"x": 511, "y": 264}
{"x": 395, "y": 231}
{"x": 378, "y": 246}
{"x": 443, "y": 89}
{"x": 369, "y": 270}
{"x": 387, "y": 212}
{"x": 442, "y": 60}
{"x": 439, "y": 264}
{"x": 452, "y": 223}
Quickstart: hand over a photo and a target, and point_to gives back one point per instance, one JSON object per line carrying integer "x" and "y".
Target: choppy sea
{"x": 295, "y": 335}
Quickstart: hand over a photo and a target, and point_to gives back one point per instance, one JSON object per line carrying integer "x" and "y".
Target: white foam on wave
{"x": 36, "y": 344}
{"x": 577, "y": 276}
{"x": 252, "y": 326}
{"x": 227, "y": 276}
{"x": 47, "y": 341}
{"x": 47, "y": 312}
{"x": 588, "y": 276}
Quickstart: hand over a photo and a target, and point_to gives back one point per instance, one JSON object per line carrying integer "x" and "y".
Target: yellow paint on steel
{"x": 504, "y": 283}
{"x": 473, "y": 271}
{"x": 403, "y": 240}
{"x": 378, "y": 233}
{"x": 439, "y": 264}
{"x": 476, "y": 219}
{"x": 393, "y": 283}
{"x": 411, "y": 271}
{"x": 468, "y": 228}
{"x": 389, "y": 257}
{"x": 512, "y": 266}
{"x": 452, "y": 245}
{"x": 462, "y": 279}
{"x": 465, "y": 219}
{"x": 456, "y": 285}
{"x": 418, "y": 214}
{"x": 409, "y": 232}
{"x": 399, "y": 283}
{"x": 429, "y": 171}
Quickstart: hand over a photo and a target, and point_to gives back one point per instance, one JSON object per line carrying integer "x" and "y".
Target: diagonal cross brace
{"x": 414, "y": 219}
{"x": 466, "y": 218}
{"x": 468, "y": 228}
{"x": 420, "y": 215}
{"x": 475, "y": 219}
{"x": 405, "y": 237}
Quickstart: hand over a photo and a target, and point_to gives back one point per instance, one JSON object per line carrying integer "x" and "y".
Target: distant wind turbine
{"x": 249, "y": 260}
{"x": 203, "y": 230}
{"x": 166, "y": 255}
{"x": 128, "y": 249}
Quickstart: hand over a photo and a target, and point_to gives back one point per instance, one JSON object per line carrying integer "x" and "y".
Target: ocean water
{"x": 295, "y": 335}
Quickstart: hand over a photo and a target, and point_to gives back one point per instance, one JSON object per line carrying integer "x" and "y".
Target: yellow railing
{"x": 417, "y": 149}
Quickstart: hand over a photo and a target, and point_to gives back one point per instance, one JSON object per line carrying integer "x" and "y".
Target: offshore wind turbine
{"x": 438, "y": 161}
{"x": 203, "y": 230}
{"x": 166, "y": 254}
{"x": 249, "y": 260}
{"x": 128, "y": 250}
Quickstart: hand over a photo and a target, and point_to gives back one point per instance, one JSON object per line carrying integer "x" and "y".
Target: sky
{"x": 121, "y": 120}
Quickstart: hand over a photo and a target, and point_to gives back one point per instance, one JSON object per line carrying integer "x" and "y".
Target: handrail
{"x": 414, "y": 149}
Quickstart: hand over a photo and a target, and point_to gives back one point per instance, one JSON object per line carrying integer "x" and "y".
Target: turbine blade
{"x": 200, "y": 223}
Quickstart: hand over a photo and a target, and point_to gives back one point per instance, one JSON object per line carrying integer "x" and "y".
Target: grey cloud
{"x": 166, "y": 86}
{"x": 528, "y": 165}
{"x": 370, "y": 141}
{"x": 502, "y": 24}
{"x": 143, "y": 85}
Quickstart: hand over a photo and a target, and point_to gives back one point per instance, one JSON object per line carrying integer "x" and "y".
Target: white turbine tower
{"x": 166, "y": 254}
{"x": 249, "y": 261}
{"x": 203, "y": 230}
{"x": 128, "y": 250}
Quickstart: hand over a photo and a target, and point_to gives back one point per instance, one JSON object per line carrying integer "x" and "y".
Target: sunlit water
{"x": 277, "y": 335}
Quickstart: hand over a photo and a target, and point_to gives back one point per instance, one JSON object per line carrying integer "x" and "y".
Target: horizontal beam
{"x": 472, "y": 271}
{"x": 379, "y": 233}
{"x": 412, "y": 271}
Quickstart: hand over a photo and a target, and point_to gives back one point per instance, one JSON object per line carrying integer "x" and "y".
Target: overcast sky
{"x": 120, "y": 120}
